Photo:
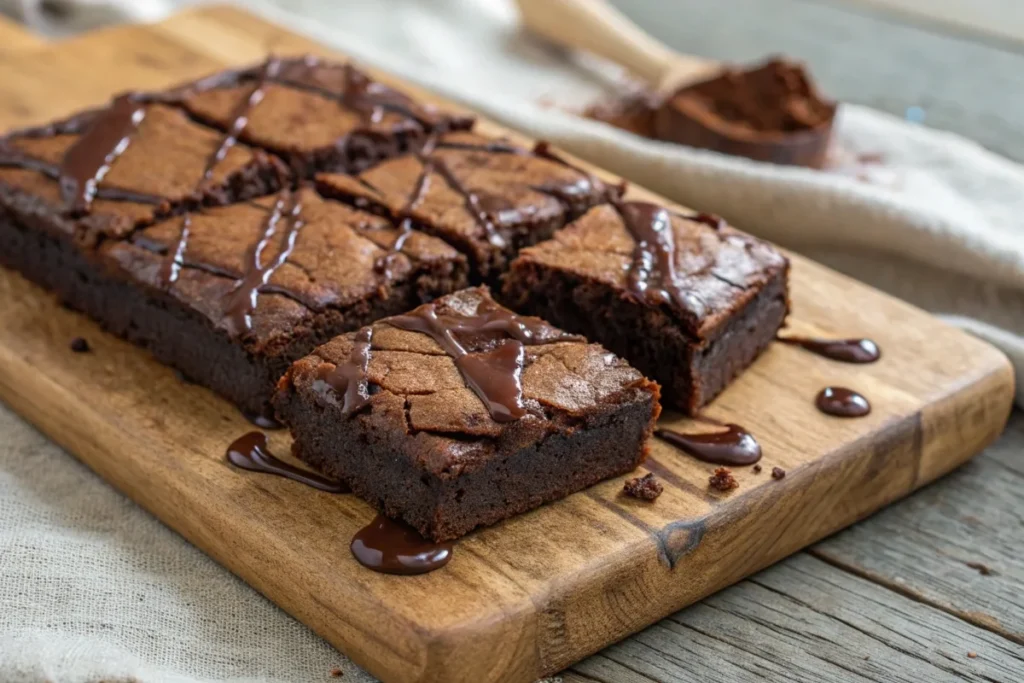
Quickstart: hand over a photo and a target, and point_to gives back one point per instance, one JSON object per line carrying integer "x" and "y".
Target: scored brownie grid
{"x": 106, "y": 134}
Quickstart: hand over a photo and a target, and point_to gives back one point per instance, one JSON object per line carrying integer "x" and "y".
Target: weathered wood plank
{"x": 964, "y": 86}
{"x": 805, "y": 620}
{"x": 956, "y": 544}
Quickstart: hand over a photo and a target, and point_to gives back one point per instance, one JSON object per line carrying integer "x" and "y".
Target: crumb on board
{"x": 778, "y": 473}
{"x": 79, "y": 345}
{"x": 645, "y": 487}
{"x": 757, "y": 469}
{"x": 722, "y": 480}
{"x": 972, "y": 655}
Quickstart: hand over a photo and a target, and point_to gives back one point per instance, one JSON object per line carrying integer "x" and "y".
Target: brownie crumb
{"x": 778, "y": 473}
{"x": 983, "y": 569}
{"x": 646, "y": 487}
{"x": 757, "y": 469}
{"x": 722, "y": 480}
{"x": 337, "y": 673}
{"x": 79, "y": 345}
{"x": 972, "y": 655}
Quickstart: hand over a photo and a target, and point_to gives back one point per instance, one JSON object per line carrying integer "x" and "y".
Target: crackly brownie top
{"x": 474, "y": 191}
{"x": 123, "y": 165}
{"x": 459, "y": 372}
{"x": 695, "y": 267}
{"x": 304, "y": 104}
{"x": 259, "y": 268}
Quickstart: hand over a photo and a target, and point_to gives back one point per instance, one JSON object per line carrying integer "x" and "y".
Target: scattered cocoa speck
{"x": 79, "y": 345}
{"x": 867, "y": 657}
{"x": 778, "y": 473}
{"x": 972, "y": 655}
{"x": 983, "y": 569}
{"x": 337, "y": 673}
{"x": 757, "y": 469}
{"x": 645, "y": 487}
{"x": 722, "y": 480}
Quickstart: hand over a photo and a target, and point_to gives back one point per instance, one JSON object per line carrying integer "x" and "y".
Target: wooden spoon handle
{"x": 597, "y": 27}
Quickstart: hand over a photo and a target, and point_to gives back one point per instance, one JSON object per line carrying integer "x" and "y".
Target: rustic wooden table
{"x": 931, "y": 589}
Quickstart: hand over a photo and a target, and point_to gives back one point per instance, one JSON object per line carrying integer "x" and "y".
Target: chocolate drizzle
{"x": 250, "y": 452}
{"x": 240, "y": 302}
{"x": 176, "y": 256}
{"x": 390, "y": 547}
{"x": 842, "y": 402}
{"x": 89, "y": 158}
{"x": 843, "y": 350}
{"x": 103, "y": 136}
{"x": 349, "y": 379}
{"x": 495, "y": 373}
{"x": 652, "y": 276}
{"x": 735, "y": 446}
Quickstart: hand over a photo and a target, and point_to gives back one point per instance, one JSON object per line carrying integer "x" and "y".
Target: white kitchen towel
{"x": 92, "y": 588}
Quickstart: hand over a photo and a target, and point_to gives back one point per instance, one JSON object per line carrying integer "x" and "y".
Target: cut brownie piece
{"x": 317, "y": 115}
{"x": 462, "y": 413}
{"x": 688, "y": 300}
{"x": 102, "y": 173}
{"x": 487, "y": 197}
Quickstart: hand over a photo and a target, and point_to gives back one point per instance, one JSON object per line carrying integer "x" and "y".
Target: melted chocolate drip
{"x": 89, "y": 158}
{"x": 349, "y": 379}
{"x": 842, "y": 402}
{"x": 843, "y": 350}
{"x": 473, "y": 202}
{"x": 240, "y": 302}
{"x": 261, "y": 421}
{"x": 652, "y": 275}
{"x": 103, "y": 136}
{"x": 240, "y": 119}
{"x": 250, "y": 452}
{"x": 735, "y": 446}
{"x": 495, "y": 375}
{"x": 393, "y": 548}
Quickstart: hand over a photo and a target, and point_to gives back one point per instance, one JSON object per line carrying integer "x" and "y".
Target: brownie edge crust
{"x": 422, "y": 447}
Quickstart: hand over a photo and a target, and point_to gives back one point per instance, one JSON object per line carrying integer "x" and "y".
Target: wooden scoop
{"x": 698, "y": 102}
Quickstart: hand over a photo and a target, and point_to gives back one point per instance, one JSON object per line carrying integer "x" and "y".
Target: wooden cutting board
{"x": 532, "y": 595}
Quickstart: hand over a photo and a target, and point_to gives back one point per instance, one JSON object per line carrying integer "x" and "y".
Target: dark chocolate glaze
{"x": 843, "y": 350}
{"x": 261, "y": 421}
{"x": 250, "y": 452}
{"x": 735, "y": 446}
{"x": 176, "y": 257}
{"x": 495, "y": 374}
{"x": 652, "y": 275}
{"x": 240, "y": 301}
{"x": 390, "y": 547}
{"x": 104, "y": 135}
{"x": 349, "y": 379}
{"x": 842, "y": 402}
{"x": 90, "y": 157}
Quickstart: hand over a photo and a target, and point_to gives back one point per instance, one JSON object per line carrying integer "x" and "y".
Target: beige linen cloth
{"x": 93, "y": 588}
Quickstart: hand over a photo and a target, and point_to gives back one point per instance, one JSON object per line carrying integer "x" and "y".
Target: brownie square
{"x": 461, "y": 413}
{"x": 688, "y": 300}
{"x": 102, "y": 173}
{"x": 488, "y": 198}
{"x": 316, "y": 115}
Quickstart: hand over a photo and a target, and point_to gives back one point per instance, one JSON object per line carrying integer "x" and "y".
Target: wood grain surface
{"x": 541, "y": 591}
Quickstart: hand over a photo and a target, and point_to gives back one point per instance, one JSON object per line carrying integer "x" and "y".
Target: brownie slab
{"x": 488, "y": 198}
{"x": 316, "y": 115}
{"x": 688, "y": 300}
{"x": 461, "y": 413}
